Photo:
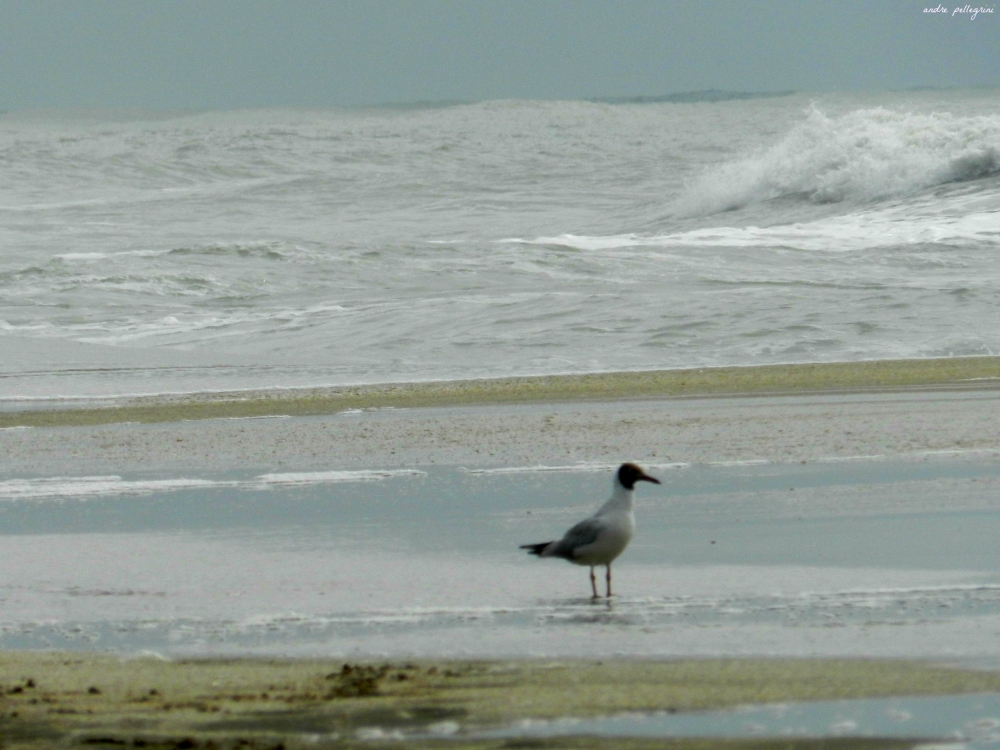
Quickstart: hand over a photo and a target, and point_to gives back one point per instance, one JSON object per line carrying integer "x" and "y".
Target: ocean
{"x": 172, "y": 252}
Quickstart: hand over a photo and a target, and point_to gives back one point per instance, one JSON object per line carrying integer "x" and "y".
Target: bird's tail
{"x": 535, "y": 549}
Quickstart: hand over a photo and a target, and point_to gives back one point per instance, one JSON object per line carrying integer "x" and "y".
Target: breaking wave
{"x": 865, "y": 155}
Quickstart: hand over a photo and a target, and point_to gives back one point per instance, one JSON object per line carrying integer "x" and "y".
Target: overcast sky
{"x": 252, "y": 53}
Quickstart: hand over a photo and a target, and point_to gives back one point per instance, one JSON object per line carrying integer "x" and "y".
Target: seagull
{"x": 599, "y": 539}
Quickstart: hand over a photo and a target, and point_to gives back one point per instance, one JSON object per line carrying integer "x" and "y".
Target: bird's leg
{"x": 608, "y": 578}
{"x": 593, "y": 582}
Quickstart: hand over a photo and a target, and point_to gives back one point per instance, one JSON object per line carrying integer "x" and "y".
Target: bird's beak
{"x": 647, "y": 478}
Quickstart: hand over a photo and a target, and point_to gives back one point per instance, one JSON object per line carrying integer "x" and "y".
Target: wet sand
{"x": 96, "y": 700}
{"x": 797, "y": 427}
{"x": 883, "y": 375}
{"x": 784, "y": 413}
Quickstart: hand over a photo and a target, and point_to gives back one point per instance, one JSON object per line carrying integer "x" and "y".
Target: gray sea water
{"x": 163, "y": 252}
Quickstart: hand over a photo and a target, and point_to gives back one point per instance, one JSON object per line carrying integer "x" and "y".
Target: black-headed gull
{"x": 601, "y": 538}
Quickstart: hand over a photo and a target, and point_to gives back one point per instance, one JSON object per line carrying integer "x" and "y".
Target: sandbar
{"x": 796, "y": 425}
{"x": 875, "y": 375}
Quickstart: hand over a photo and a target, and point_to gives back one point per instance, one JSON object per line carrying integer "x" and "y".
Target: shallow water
{"x": 965, "y": 721}
{"x": 882, "y": 557}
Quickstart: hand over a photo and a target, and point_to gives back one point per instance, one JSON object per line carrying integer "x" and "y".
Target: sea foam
{"x": 91, "y": 487}
{"x": 864, "y": 155}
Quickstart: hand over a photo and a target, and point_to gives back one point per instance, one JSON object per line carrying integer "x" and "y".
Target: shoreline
{"x": 71, "y": 698}
{"x": 785, "y": 413}
{"x": 871, "y": 376}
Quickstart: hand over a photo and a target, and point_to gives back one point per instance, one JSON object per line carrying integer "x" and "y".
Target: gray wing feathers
{"x": 584, "y": 533}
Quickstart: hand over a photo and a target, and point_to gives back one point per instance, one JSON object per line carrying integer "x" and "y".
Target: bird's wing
{"x": 584, "y": 533}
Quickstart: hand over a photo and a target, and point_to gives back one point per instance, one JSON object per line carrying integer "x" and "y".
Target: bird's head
{"x": 629, "y": 474}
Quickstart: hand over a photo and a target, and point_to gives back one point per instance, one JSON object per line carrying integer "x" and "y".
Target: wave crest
{"x": 865, "y": 155}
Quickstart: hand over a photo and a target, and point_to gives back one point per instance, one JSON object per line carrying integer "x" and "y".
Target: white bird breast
{"x": 610, "y": 543}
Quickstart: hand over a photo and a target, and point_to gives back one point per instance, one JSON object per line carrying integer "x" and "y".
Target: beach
{"x": 284, "y": 390}
{"x": 772, "y": 413}
{"x": 916, "y": 454}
